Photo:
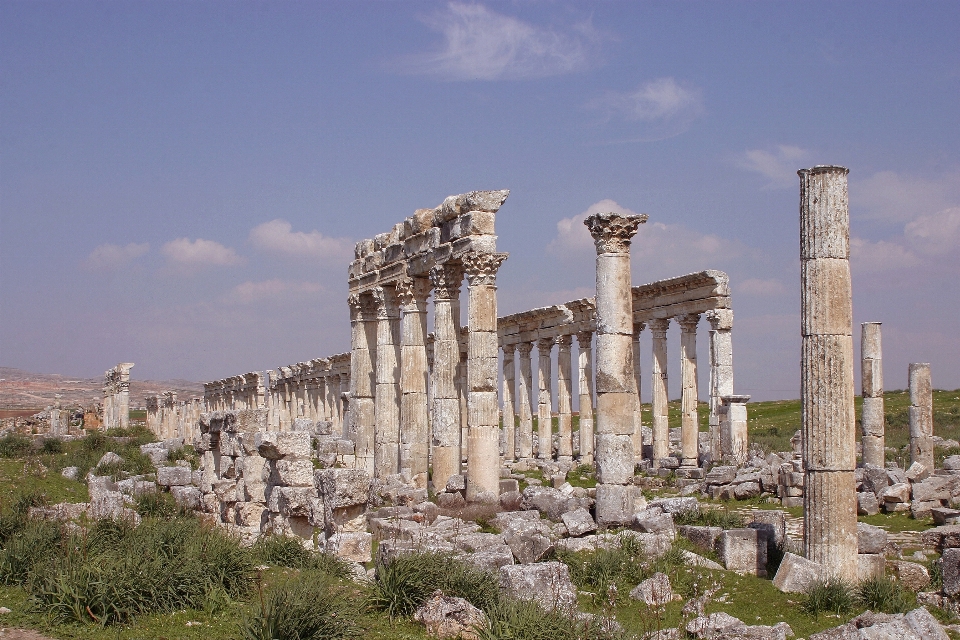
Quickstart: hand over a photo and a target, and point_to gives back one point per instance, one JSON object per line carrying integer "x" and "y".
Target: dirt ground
{"x": 21, "y": 634}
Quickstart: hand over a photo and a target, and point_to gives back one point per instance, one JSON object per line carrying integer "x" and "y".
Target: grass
{"x": 722, "y": 517}
{"x": 885, "y": 594}
{"x": 829, "y": 596}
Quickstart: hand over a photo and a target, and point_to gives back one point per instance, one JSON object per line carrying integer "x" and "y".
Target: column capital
{"x": 584, "y": 338}
{"x": 544, "y": 345}
{"x": 446, "y": 279}
{"x": 509, "y": 348}
{"x": 481, "y": 268}
{"x": 613, "y": 232}
{"x": 413, "y": 293}
{"x": 720, "y": 319}
{"x": 659, "y": 326}
{"x": 386, "y": 301}
{"x": 525, "y": 348}
{"x": 638, "y": 328}
{"x": 564, "y": 342}
{"x": 688, "y": 322}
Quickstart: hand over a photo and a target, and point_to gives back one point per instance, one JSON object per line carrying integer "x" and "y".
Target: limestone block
{"x": 703, "y": 537}
{"x": 491, "y": 559}
{"x": 867, "y": 504}
{"x": 925, "y": 625}
{"x": 899, "y": 492}
{"x": 952, "y": 463}
{"x": 292, "y": 473}
{"x": 827, "y": 298}
{"x": 352, "y": 547}
{"x": 869, "y": 566}
{"x": 950, "y": 562}
{"x": 721, "y": 475}
{"x": 737, "y": 549}
{"x": 746, "y": 490}
{"x": 251, "y": 514}
{"x": 654, "y": 591}
{"x": 917, "y": 472}
{"x": 614, "y": 505}
{"x": 450, "y": 617}
{"x": 508, "y": 485}
{"x": 896, "y": 475}
{"x": 923, "y": 509}
{"x": 650, "y": 521}
{"x": 578, "y": 522}
{"x": 254, "y": 491}
{"x": 912, "y": 575}
{"x": 552, "y": 503}
{"x": 870, "y": 539}
{"x": 693, "y": 560}
{"x": 174, "y": 476}
{"x": 614, "y": 458}
{"x": 796, "y": 574}
{"x": 945, "y": 515}
{"x": 529, "y": 540}
{"x": 935, "y": 488}
{"x": 225, "y": 490}
{"x": 186, "y": 497}
{"x": 546, "y": 583}
{"x": 293, "y": 501}
{"x": 688, "y": 504}
{"x": 108, "y": 458}
{"x": 451, "y": 500}
{"x": 456, "y": 482}
{"x": 275, "y": 445}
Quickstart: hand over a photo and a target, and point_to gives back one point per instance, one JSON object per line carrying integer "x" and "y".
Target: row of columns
{"x": 316, "y": 398}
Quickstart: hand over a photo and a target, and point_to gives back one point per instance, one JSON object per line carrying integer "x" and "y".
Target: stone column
{"x": 638, "y": 328}
{"x": 346, "y": 423}
{"x": 446, "y": 279}
{"x": 735, "y": 443}
{"x": 483, "y": 410}
{"x": 509, "y": 402}
{"x": 689, "y": 420}
{"x": 585, "y": 388}
{"x": 616, "y": 390}
{"x": 362, "y": 381}
{"x": 544, "y": 401}
{"x": 387, "y": 394}
{"x": 721, "y": 370}
{"x": 123, "y": 394}
{"x": 524, "y": 397}
{"x": 826, "y": 382}
{"x": 565, "y": 398}
{"x": 658, "y": 390}
{"x": 413, "y": 294}
{"x": 921, "y": 415}
{"x": 871, "y": 385}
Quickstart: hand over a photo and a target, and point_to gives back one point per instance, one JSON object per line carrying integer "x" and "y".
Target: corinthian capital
{"x": 413, "y": 292}
{"x": 612, "y": 232}
{"x": 446, "y": 279}
{"x": 386, "y": 299}
{"x": 481, "y": 268}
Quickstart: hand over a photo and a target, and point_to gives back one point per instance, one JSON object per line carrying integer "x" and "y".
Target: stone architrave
{"x": 658, "y": 390}
{"x": 689, "y": 420}
{"x": 446, "y": 279}
{"x": 871, "y": 379}
{"x": 362, "y": 325}
{"x": 638, "y": 328}
{"x": 414, "y": 426}
{"x": 508, "y": 437}
{"x": 827, "y": 392}
{"x": 721, "y": 371}
{"x": 612, "y": 234}
{"x": 544, "y": 400}
{"x": 483, "y": 412}
{"x": 565, "y": 398}
{"x": 921, "y": 414}
{"x": 387, "y": 394}
{"x": 524, "y": 399}
{"x": 585, "y": 388}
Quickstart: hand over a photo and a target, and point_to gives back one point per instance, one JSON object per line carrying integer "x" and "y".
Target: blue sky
{"x": 181, "y": 184}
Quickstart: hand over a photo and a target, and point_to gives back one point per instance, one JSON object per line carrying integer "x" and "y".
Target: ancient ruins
{"x": 116, "y": 396}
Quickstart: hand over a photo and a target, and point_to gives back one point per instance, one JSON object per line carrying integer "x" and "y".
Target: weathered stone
{"x": 703, "y": 537}
{"x": 945, "y": 515}
{"x": 450, "y": 617}
{"x": 917, "y": 472}
{"x": 746, "y": 490}
{"x": 546, "y": 583}
{"x": 796, "y": 574}
{"x": 869, "y": 566}
{"x": 720, "y": 475}
{"x": 353, "y": 547}
{"x": 870, "y": 539}
{"x": 614, "y": 505}
{"x": 899, "y": 492}
{"x": 174, "y": 476}
{"x": 529, "y": 540}
{"x": 655, "y": 522}
{"x": 186, "y": 497}
{"x": 950, "y": 564}
{"x": 867, "y": 504}
{"x": 694, "y": 560}
{"x": 912, "y": 575}
{"x": 108, "y": 458}
{"x": 654, "y": 591}
{"x": 285, "y": 444}
{"x": 292, "y": 473}
{"x": 340, "y": 488}
{"x": 737, "y": 549}
{"x": 578, "y": 522}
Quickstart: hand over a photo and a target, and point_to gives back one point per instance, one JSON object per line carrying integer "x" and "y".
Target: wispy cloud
{"x": 186, "y": 253}
{"x": 655, "y": 110}
{"x": 934, "y": 234}
{"x": 111, "y": 256}
{"x": 779, "y": 167}
{"x": 481, "y": 44}
{"x": 888, "y": 196}
{"x": 761, "y": 287}
{"x": 278, "y": 237}
{"x": 250, "y": 292}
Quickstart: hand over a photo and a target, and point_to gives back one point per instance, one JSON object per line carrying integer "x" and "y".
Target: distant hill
{"x": 25, "y": 390}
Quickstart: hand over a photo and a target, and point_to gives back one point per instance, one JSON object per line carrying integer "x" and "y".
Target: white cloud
{"x": 249, "y": 292}
{"x": 876, "y": 257}
{"x": 278, "y": 237}
{"x": 934, "y": 234}
{"x": 891, "y": 197}
{"x": 760, "y": 287}
{"x": 480, "y": 44}
{"x": 780, "y": 167}
{"x": 660, "y": 99}
{"x": 112, "y": 256}
{"x": 184, "y": 252}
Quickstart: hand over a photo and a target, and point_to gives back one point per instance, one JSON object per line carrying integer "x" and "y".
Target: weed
{"x": 723, "y": 518}
{"x": 14, "y": 446}
{"x": 51, "y": 446}
{"x": 831, "y": 596}
{"x": 524, "y": 620}
{"x": 154, "y": 504}
{"x": 285, "y": 551}
{"x": 883, "y": 594}
{"x": 310, "y": 605}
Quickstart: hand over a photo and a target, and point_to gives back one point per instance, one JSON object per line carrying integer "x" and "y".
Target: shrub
{"x": 155, "y": 504}
{"x": 52, "y": 446}
{"x": 723, "y": 518}
{"x": 29, "y": 547}
{"x": 832, "y": 596}
{"x": 311, "y": 605}
{"x": 285, "y": 551}
{"x": 612, "y": 573}
{"x": 14, "y": 446}
{"x": 14, "y": 518}
{"x": 883, "y": 594}
{"x": 524, "y": 620}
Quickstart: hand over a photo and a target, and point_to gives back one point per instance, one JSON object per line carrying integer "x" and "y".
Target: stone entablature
{"x": 313, "y": 390}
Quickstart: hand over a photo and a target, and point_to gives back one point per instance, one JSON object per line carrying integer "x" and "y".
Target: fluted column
{"x": 826, "y": 387}
{"x": 638, "y": 328}
{"x": 387, "y": 395}
{"x": 721, "y": 372}
{"x": 123, "y": 394}
{"x": 446, "y": 279}
{"x": 509, "y": 401}
{"x": 689, "y": 420}
{"x": 616, "y": 389}
{"x": 524, "y": 398}
{"x": 344, "y": 405}
{"x": 363, "y": 328}
{"x": 483, "y": 411}
{"x": 658, "y": 390}
{"x": 544, "y": 400}
{"x": 413, "y": 294}
{"x": 871, "y": 382}
{"x": 565, "y": 398}
{"x": 585, "y": 389}
{"x": 921, "y": 415}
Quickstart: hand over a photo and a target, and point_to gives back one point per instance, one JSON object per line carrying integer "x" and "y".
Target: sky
{"x": 182, "y": 184}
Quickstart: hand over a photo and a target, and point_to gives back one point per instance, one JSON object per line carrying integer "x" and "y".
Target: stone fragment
{"x": 677, "y": 505}
{"x": 870, "y": 539}
{"x": 174, "y": 476}
{"x": 899, "y": 492}
{"x": 703, "y": 537}
{"x": 917, "y": 472}
{"x": 450, "y": 617}
{"x": 945, "y": 515}
{"x": 340, "y": 488}
{"x": 108, "y": 458}
{"x": 737, "y": 549}
{"x": 614, "y": 506}
{"x": 694, "y": 560}
{"x": 867, "y": 504}
{"x": 546, "y": 583}
{"x": 529, "y": 540}
{"x": 912, "y": 575}
{"x": 578, "y": 522}
{"x": 275, "y": 445}
{"x": 353, "y": 547}
{"x": 796, "y": 574}
{"x": 186, "y": 497}
{"x": 650, "y": 521}
{"x": 950, "y": 563}
{"x": 654, "y": 591}
{"x": 70, "y": 473}
{"x": 869, "y": 566}
{"x": 720, "y": 475}
{"x": 925, "y": 625}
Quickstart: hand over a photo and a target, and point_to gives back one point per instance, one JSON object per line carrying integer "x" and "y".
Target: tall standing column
{"x": 871, "y": 381}
{"x": 387, "y": 395}
{"x": 483, "y": 411}
{"x": 544, "y": 401}
{"x": 658, "y": 390}
{"x": 346, "y": 422}
{"x": 565, "y": 398}
{"x": 524, "y": 398}
{"x": 509, "y": 402}
{"x": 413, "y": 294}
{"x": 638, "y": 328}
{"x": 921, "y": 415}
{"x": 721, "y": 371}
{"x": 362, "y": 381}
{"x": 446, "y": 279}
{"x": 616, "y": 388}
{"x": 826, "y": 381}
{"x": 585, "y": 389}
{"x": 689, "y": 420}
{"x": 123, "y": 394}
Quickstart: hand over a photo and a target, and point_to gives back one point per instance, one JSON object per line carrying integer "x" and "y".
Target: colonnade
{"x": 168, "y": 417}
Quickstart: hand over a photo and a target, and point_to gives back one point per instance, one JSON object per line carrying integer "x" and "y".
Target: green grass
{"x": 897, "y": 522}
